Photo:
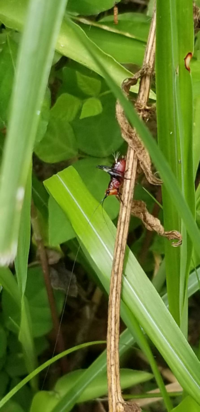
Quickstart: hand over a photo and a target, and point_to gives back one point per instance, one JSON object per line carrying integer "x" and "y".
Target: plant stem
{"x": 116, "y": 402}
{"x": 45, "y": 268}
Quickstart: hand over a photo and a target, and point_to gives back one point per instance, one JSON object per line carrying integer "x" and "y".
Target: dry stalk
{"x": 45, "y": 268}
{"x": 137, "y": 161}
{"x": 116, "y": 402}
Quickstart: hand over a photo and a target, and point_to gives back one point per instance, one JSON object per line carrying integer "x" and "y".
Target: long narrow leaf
{"x": 138, "y": 293}
{"x": 33, "y": 66}
{"x": 174, "y": 115}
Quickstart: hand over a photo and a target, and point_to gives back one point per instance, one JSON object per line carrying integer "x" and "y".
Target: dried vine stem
{"x": 116, "y": 402}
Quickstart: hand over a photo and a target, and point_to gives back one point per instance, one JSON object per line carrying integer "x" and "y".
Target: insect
{"x": 116, "y": 172}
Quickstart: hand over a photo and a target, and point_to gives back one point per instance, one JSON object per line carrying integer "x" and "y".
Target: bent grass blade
{"x": 138, "y": 293}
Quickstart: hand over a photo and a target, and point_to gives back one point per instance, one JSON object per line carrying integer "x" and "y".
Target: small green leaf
{"x": 59, "y": 142}
{"x": 88, "y": 85}
{"x": 46, "y": 401}
{"x": 101, "y": 137}
{"x": 66, "y": 107}
{"x": 91, "y": 107}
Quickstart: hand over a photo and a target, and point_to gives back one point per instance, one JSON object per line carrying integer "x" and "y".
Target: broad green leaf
{"x": 60, "y": 229}
{"x": 59, "y": 142}
{"x": 105, "y": 132}
{"x": 124, "y": 49}
{"x": 96, "y": 182}
{"x": 46, "y": 401}
{"x": 91, "y": 107}
{"x": 43, "y": 20}
{"x": 68, "y": 43}
{"x": 38, "y": 305}
{"x": 97, "y": 236}
{"x": 132, "y": 24}
{"x": 90, "y": 7}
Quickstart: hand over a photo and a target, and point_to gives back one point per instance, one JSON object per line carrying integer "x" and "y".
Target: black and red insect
{"x": 116, "y": 172}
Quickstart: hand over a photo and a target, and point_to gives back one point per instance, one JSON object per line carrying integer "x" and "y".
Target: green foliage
{"x": 61, "y": 108}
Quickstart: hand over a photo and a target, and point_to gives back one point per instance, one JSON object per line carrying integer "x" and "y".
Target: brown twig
{"x": 149, "y": 235}
{"x": 45, "y": 268}
{"x": 116, "y": 402}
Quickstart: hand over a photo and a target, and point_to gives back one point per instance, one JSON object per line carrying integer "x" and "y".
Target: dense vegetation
{"x": 61, "y": 67}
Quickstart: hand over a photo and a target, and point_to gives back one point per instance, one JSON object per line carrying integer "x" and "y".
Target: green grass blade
{"x": 42, "y": 402}
{"x": 126, "y": 341}
{"x": 34, "y": 62}
{"x": 174, "y": 114}
{"x": 25, "y": 336}
{"x": 42, "y": 367}
{"x": 21, "y": 261}
{"x": 9, "y": 283}
{"x": 97, "y": 237}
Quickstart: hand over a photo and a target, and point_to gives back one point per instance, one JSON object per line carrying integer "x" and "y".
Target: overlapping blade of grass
{"x": 21, "y": 264}
{"x": 68, "y": 43}
{"x": 35, "y": 57}
{"x": 21, "y": 261}
{"x": 174, "y": 114}
{"x": 99, "y": 365}
{"x": 42, "y": 367}
{"x": 139, "y": 295}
